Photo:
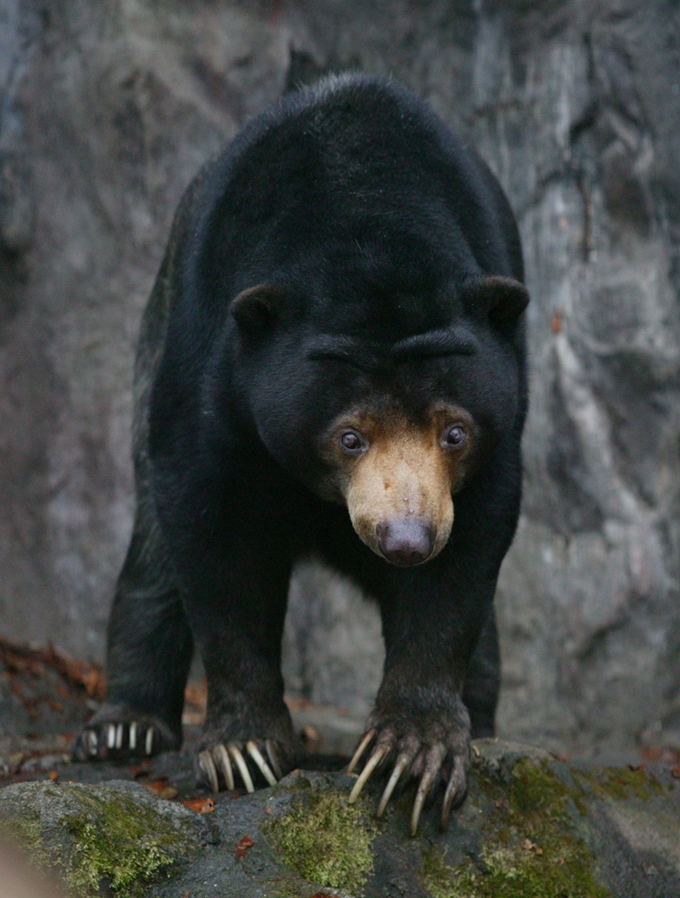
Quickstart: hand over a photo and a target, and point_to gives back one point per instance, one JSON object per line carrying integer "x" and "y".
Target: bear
{"x": 331, "y": 364}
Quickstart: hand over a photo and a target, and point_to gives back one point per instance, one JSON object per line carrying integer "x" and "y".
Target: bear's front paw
{"x": 220, "y": 766}
{"x": 435, "y": 749}
{"x": 118, "y": 733}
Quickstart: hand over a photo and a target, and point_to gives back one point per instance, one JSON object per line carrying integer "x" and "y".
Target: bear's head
{"x": 393, "y": 419}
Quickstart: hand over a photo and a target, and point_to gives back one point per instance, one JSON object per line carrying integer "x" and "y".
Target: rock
{"x": 533, "y": 826}
{"x": 118, "y": 834}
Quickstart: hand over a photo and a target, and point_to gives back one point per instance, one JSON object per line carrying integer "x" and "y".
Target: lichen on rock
{"x": 118, "y": 834}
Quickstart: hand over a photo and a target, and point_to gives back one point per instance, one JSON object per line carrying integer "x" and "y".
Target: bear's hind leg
{"x": 149, "y": 654}
{"x": 482, "y": 685}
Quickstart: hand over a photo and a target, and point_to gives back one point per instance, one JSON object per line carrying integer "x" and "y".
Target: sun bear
{"x": 331, "y": 364}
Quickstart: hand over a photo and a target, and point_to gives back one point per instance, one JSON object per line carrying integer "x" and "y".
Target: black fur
{"x": 368, "y": 222}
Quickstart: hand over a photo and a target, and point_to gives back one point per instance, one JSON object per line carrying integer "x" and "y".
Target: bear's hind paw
{"x": 121, "y": 736}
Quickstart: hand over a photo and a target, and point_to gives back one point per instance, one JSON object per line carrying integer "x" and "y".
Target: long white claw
{"x": 255, "y": 754}
{"x": 132, "y": 736}
{"x": 361, "y": 748}
{"x": 401, "y": 765}
{"x": 371, "y": 764}
{"x": 235, "y": 752}
{"x": 449, "y": 795}
{"x": 207, "y": 765}
{"x": 111, "y": 735}
{"x": 119, "y": 736}
{"x": 273, "y": 759}
{"x": 92, "y": 742}
{"x": 221, "y": 756}
{"x": 148, "y": 745}
{"x": 455, "y": 790}
{"x": 421, "y": 795}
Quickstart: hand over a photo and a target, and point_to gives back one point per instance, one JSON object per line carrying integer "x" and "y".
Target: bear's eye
{"x": 351, "y": 441}
{"x": 454, "y": 437}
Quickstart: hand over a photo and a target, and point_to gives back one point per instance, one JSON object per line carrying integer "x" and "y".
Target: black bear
{"x": 332, "y": 359}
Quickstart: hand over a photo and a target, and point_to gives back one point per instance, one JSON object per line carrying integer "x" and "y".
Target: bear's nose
{"x": 406, "y": 542}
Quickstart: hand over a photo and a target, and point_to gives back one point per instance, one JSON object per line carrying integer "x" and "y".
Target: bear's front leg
{"x": 420, "y": 728}
{"x": 248, "y": 734}
{"x": 235, "y": 599}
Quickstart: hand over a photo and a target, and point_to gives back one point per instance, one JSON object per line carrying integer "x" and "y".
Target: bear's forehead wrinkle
{"x": 372, "y": 354}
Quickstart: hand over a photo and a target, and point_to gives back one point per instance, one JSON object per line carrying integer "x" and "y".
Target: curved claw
{"x": 402, "y": 763}
{"x": 92, "y": 743}
{"x": 371, "y": 764}
{"x": 273, "y": 759}
{"x": 235, "y": 752}
{"x": 361, "y": 748}
{"x": 222, "y": 758}
{"x": 455, "y": 791}
{"x": 148, "y": 745}
{"x": 255, "y": 754}
{"x": 423, "y": 789}
{"x": 207, "y": 766}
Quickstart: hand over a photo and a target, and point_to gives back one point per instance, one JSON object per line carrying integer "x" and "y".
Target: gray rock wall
{"x": 108, "y": 109}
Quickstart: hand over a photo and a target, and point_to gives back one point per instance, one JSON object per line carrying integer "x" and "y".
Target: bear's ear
{"x": 255, "y": 309}
{"x": 503, "y": 299}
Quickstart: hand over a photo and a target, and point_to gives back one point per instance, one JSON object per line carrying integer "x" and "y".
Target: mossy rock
{"x": 531, "y": 826}
{"x": 117, "y": 837}
{"x": 326, "y": 840}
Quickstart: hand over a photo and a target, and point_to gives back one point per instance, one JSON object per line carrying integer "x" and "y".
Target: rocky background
{"x": 107, "y": 110}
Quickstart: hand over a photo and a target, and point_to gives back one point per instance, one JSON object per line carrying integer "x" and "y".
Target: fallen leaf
{"x": 297, "y": 704}
{"x": 200, "y": 805}
{"x": 528, "y": 845}
{"x": 676, "y": 772}
{"x": 160, "y": 787}
{"x": 311, "y": 737}
{"x": 243, "y": 846}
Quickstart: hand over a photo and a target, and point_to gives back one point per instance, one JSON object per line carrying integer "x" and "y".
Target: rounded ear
{"x": 255, "y": 309}
{"x": 503, "y": 299}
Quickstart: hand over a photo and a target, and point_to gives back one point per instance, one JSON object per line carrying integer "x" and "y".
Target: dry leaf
{"x": 200, "y": 805}
{"x": 243, "y": 846}
{"x": 528, "y": 845}
{"x": 160, "y": 787}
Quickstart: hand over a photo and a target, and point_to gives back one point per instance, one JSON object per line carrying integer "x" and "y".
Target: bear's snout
{"x": 406, "y": 542}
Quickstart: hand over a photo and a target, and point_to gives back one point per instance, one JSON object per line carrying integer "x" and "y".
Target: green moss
{"x": 326, "y": 840}
{"x": 111, "y": 838}
{"x": 25, "y": 832}
{"x": 621, "y": 783}
{"x": 530, "y": 847}
{"x": 535, "y": 790}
